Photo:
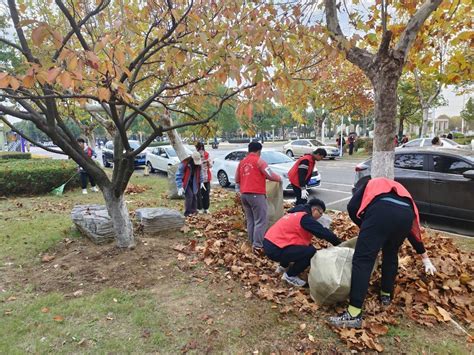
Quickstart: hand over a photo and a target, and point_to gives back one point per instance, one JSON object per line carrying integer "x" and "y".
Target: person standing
{"x": 203, "y": 200}
{"x": 351, "y": 140}
{"x": 289, "y": 240}
{"x": 189, "y": 179}
{"x": 250, "y": 182}
{"x": 82, "y": 172}
{"x": 301, "y": 172}
{"x": 386, "y": 214}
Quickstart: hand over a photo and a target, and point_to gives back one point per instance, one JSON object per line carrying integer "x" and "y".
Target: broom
{"x": 58, "y": 191}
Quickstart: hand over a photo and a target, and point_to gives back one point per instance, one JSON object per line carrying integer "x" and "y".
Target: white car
{"x": 160, "y": 158}
{"x": 426, "y": 142}
{"x": 301, "y": 147}
{"x": 224, "y": 168}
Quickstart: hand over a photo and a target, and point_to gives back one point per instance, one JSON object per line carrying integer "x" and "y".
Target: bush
{"x": 35, "y": 177}
{"x": 15, "y": 155}
{"x": 366, "y": 143}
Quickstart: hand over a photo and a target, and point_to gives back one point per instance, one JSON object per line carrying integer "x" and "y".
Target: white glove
{"x": 203, "y": 186}
{"x": 429, "y": 267}
{"x": 304, "y": 194}
{"x": 180, "y": 191}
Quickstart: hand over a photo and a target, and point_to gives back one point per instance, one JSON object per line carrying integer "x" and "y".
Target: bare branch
{"x": 19, "y": 31}
{"x": 13, "y": 45}
{"x": 73, "y": 24}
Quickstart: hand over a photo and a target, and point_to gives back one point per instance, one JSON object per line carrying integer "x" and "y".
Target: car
{"x": 224, "y": 168}
{"x": 108, "y": 154}
{"x": 426, "y": 142}
{"x": 440, "y": 180}
{"x": 300, "y": 147}
{"x": 160, "y": 158}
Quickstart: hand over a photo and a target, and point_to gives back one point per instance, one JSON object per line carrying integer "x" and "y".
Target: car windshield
{"x": 172, "y": 153}
{"x": 134, "y": 145}
{"x": 315, "y": 142}
{"x": 449, "y": 141}
{"x": 275, "y": 158}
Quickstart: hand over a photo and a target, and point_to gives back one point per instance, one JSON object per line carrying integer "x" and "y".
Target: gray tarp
{"x": 274, "y": 202}
{"x": 172, "y": 190}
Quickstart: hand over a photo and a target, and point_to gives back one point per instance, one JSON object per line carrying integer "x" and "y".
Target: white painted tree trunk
{"x": 424, "y": 126}
{"x": 175, "y": 139}
{"x": 118, "y": 212}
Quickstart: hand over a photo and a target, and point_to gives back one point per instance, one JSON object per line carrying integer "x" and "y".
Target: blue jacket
{"x": 183, "y": 175}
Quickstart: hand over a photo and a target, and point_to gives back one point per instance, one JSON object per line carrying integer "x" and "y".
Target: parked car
{"x": 160, "y": 158}
{"x": 224, "y": 169}
{"x": 108, "y": 154}
{"x": 440, "y": 180}
{"x": 300, "y": 147}
{"x": 426, "y": 142}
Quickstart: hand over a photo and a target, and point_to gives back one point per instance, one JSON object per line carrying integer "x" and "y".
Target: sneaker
{"x": 84, "y": 191}
{"x": 345, "y": 320}
{"x": 94, "y": 189}
{"x": 200, "y": 211}
{"x": 206, "y": 211}
{"x": 293, "y": 280}
{"x": 386, "y": 300}
{"x": 281, "y": 270}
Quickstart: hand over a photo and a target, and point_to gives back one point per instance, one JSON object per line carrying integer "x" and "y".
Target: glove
{"x": 429, "y": 267}
{"x": 203, "y": 186}
{"x": 304, "y": 194}
{"x": 180, "y": 191}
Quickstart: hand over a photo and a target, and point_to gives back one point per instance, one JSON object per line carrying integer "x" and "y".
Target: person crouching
{"x": 189, "y": 179}
{"x": 289, "y": 240}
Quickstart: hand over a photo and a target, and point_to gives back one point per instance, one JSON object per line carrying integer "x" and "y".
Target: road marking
{"x": 341, "y": 200}
{"x": 331, "y": 190}
{"x": 334, "y": 183}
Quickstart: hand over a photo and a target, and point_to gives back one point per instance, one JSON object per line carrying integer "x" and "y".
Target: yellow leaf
{"x": 104, "y": 94}
{"x": 72, "y": 64}
{"x": 444, "y": 313}
{"x": 120, "y": 55}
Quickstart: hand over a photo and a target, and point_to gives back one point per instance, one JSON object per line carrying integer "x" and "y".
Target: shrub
{"x": 35, "y": 177}
{"x": 366, "y": 143}
{"x": 15, "y": 155}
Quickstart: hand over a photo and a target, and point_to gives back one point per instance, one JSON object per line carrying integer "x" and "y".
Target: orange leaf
{"x": 65, "y": 79}
{"x": 53, "y": 74}
{"x": 39, "y": 34}
{"x": 14, "y": 83}
{"x": 444, "y": 313}
{"x": 104, "y": 94}
{"x": 4, "y": 82}
{"x": 58, "y": 319}
{"x": 45, "y": 310}
{"x": 28, "y": 81}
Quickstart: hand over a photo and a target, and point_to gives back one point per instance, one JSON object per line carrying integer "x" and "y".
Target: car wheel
{"x": 223, "y": 178}
{"x": 105, "y": 162}
{"x": 289, "y": 153}
{"x": 152, "y": 169}
{"x": 333, "y": 158}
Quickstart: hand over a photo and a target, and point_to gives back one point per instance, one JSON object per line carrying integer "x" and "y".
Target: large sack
{"x": 94, "y": 222}
{"x": 172, "y": 189}
{"x": 156, "y": 220}
{"x": 274, "y": 202}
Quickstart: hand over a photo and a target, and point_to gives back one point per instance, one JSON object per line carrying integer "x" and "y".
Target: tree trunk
{"x": 318, "y": 124}
{"x": 175, "y": 139}
{"x": 118, "y": 212}
{"x": 385, "y": 87}
{"x": 424, "y": 126}
{"x": 401, "y": 122}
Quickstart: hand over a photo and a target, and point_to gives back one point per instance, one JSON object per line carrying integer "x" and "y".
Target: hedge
{"x": 36, "y": 176}
{"x": 15, "y": 155}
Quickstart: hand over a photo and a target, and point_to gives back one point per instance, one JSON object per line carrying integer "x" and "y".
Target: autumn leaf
{"x": 47, "y": 258}
{"x": 39, "y": 34}
{"x": 45, "y": 310}
{"x": 444, "y": 313}
{"x": 58, "y": 319}
{"x": 53, "y": 74}
{"x": 14, "y": 83}
{"x": 103, "y": 94}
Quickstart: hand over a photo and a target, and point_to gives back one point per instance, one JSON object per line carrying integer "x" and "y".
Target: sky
{"x": 455, "y": 103}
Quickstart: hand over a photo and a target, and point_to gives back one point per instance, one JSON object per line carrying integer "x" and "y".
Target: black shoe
{"x": 345, "y": 320}
{"x": 386, "y": 300}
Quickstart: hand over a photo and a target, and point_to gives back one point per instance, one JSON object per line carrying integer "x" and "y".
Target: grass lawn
{"x": 98, "y": 299}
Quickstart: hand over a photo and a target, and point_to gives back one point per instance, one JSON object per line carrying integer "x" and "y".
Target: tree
{"x": 409, "y": 108}
{"x": 384, "y": 67}
{"x": 139, "y": 59}
{"x": 467, "y": 114}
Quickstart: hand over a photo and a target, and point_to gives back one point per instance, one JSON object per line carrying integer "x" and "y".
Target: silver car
{"x": 301, "y": 147}
{"x": 426, "y": 142}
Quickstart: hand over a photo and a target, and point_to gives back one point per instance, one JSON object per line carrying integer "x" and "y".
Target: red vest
{"x": 209, "y": 175}
{"x": 288, "y": 231}
{"x": 378, "y": 186}
{"x": 293, "y": 173}
{"x": 252, "y": 180}
{"x": 187, "y": 175}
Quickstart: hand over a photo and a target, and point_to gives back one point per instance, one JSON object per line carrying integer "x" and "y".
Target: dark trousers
{"x": 297, "y": 192}
{"x": 299, "y": 255}
{"x": 351, "y": 148}
{"x": 203, "y": 197}
{"x": 384, "y": 227}
{"x": 190, "y": 200}
{"x": 84, "y": 177}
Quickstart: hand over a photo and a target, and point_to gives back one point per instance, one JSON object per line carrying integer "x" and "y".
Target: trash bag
{"x": 330, "y": 274}
{"x": 274, "y": 202}
{"x": 172, "y": 189}
{"x": 325, "y": 220}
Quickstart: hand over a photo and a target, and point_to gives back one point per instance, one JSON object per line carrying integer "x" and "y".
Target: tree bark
{"x": 401, "y": 123}
{"x": 175, "y": 139}
{"x": 424, "y": 125}
{"x": 118, "y": 212}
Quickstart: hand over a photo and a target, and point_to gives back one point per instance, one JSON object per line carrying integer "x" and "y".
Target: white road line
{"x": 331, "y": 190}
{"x": 341, "y": 200}
{"x": 334, "y": 183}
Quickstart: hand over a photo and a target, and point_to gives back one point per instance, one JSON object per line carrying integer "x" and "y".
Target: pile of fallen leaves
{"x": 445, "y": 297}
{"x": 135, "y": 189}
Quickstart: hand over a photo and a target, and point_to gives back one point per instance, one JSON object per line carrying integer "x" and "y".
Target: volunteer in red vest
{"x": 82, "y": 172}
{"x": 203, "y": 200}
{"x": 386, "y": 214}
{"x": 250, "y": 178}
{"x": 289, "y": 240}
{"x": 300, "y": 174}
{"x": 189, "y": 179}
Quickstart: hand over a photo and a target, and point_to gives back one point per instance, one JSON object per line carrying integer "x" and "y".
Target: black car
{"x": 108, "y": 154}
{"x": 440, "y": 180}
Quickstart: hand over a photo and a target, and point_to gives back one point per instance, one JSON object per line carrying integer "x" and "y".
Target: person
{"x": 395, "y": 141}
{"x": 250, "y": 177}
{"x": 301, "y": 172}
{"x": 351, "y": 140}
{"x": 289, "y": 240}
{"x": 189, "y": 179}
{"x": 404, "y": 139}
{"x": 203, "y": 200}
{"x": 450, "y": 135}
{"x": 341, "y": 142}
{"x": 386, "y": 214}
{"x": 82, "y": 172}
{"x": 436, "y": 141}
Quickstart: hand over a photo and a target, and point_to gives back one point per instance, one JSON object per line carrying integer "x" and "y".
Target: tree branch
{"x": 73, "y": 24}
{"x": 19, "y": 31}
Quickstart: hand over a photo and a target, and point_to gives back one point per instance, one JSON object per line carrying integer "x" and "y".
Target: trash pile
{"x": 427, "y": 300}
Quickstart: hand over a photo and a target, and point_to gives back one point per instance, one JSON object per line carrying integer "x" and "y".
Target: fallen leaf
{"x": 45, "y": 310}
{"x": 444, "y": 313}
{"x": 302, "y": 326}
{"x": 47, "y": 258}
{"x": 58, "y": 319}
{"x": 311, "y": 338}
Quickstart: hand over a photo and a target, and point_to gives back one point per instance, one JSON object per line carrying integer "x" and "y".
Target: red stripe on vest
{"x": 288, "y": 231}
{"x": 293, "y": 173}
